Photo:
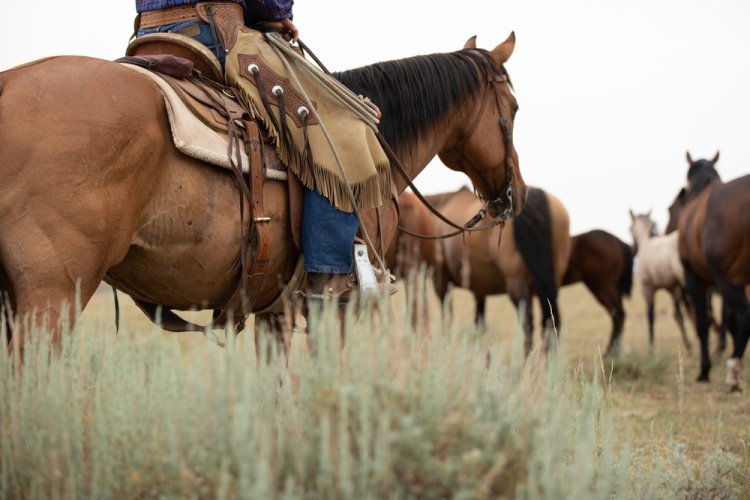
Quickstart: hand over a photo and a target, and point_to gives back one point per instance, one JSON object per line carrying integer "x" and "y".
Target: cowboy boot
{"x": 328, "y": 285}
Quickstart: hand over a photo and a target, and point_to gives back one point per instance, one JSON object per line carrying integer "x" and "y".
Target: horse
{"x": 406, "y": 252}
{"x": 94, "y": 188}
{"x": 529, "y": 260}
{"x": 712, "y": 219}
{"x": 604, "y": 263}
{"x": 658, "y": 267}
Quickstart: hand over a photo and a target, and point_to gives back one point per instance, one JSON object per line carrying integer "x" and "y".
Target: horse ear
{"x": 632, "y": 215}
{"x": 502, "y": 52}
{"x": 689, "y": 158}
{"x": 471, "y": 43}
{"x": 716, "y": 158}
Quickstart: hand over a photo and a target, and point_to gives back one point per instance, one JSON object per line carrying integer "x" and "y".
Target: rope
{"x": 364, "y": 112}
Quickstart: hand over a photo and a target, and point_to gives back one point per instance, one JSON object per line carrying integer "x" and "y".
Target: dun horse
{"x": 658, "y": 267}
{"x": 530, "y": 259}
{"x": 94, "y": 188}
{"x": 605, "y": 265}
{"x": 713, "y": 222}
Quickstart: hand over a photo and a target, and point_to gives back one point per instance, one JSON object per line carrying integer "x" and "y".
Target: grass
{"x": 443, "y": 411}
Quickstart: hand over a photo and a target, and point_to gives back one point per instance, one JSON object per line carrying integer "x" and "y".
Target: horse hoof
{"x": 735, "y": 389}
{"x": 702, "y": 378}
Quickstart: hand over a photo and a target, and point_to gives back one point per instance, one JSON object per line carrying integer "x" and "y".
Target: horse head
{"x": 642, "y": 227}
{"x": 700, "y": 174}
{"x": 483, "y": 134}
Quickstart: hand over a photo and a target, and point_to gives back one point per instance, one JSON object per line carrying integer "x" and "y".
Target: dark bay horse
{"x": 529, "y": 260}
{"x": 604, "y": 263}
{"x": 713, "y": 221}
{"x": 94, "y": 189}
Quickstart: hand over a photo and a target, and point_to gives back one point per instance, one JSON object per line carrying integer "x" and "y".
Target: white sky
{"x": 612, "y": 94}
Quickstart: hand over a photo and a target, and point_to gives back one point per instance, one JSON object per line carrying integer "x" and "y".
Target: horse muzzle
{"x": 501, "y": 208}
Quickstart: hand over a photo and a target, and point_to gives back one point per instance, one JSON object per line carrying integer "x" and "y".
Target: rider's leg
{"x": 327, "y": 241}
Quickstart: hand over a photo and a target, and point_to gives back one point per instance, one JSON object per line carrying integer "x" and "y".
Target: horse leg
{"x": 612, "y": 302}
{"x": 550, "y": 321}
{"x": 721, "y": 329}
{"x": 696, "y": 290}
{"x": 679, "y": 318}
{"x": 277, "y": 326}
{"x": 526, "y": 308}
{"x": 739, "y": 312}
{"x": 481, "y": 304}
{"x": 45, "y": 295}
{"x": 648, "y": 295}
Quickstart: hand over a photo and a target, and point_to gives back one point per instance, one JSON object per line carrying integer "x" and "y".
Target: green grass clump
{"x": 394, "y": 414}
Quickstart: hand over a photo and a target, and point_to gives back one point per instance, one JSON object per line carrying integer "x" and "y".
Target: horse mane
{"x": 701, "y": 173}
{"x": 419, "y": 90}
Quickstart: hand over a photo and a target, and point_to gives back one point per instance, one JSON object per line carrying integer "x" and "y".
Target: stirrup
{"x": 367, "y": 282}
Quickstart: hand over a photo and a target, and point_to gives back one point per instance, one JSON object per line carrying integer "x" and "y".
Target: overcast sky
{"x": 611, "y": 94}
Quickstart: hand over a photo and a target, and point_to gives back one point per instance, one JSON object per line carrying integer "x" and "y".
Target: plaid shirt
{"x": 255, "y": 10}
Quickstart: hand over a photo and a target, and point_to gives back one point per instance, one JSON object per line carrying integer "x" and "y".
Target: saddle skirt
{"x": 198, "y": 129}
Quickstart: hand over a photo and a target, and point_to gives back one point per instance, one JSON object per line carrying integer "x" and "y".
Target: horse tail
{"x": 532, "y": 229}
{"x": 625, "y": 283}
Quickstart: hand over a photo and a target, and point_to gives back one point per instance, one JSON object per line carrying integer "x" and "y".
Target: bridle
{"x": 494, "y": 79}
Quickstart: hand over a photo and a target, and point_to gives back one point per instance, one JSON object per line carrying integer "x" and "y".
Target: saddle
{"x": 210, "y": 124}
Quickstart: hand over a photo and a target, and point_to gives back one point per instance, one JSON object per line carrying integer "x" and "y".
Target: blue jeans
{"x": 204, "y": 36}
{"x": 327, "y": 232}
{"x": 327, "y": 235}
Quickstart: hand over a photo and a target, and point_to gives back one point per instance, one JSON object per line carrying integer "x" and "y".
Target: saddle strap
{"x": 255, "y": 266}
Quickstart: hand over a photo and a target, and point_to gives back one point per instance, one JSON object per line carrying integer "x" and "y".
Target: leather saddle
{"x": 210, "y": 123}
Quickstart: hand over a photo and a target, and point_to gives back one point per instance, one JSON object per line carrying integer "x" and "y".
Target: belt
{"x": 153, "y": 18}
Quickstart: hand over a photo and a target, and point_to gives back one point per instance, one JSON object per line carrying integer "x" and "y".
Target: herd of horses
{"x": 93, "y": 189}
{"x": 706, "y": 250}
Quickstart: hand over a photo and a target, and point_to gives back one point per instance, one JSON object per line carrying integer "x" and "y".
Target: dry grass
{"x": 653, "y": 394}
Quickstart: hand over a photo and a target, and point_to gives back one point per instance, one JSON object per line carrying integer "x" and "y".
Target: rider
{"x": 328, "y": 260}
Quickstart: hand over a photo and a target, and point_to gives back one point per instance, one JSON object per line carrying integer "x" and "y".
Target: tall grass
{"x": 394, "y": 414}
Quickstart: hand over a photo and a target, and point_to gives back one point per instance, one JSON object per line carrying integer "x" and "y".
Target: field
{"x": 454, "y": 412}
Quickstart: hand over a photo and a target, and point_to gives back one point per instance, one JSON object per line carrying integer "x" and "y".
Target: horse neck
{"x": 422, "y": 99}
{"x": 416, "y": 154}
{"x": 641, "y": 233}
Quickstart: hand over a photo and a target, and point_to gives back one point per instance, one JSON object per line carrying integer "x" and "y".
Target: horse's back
{"x": 595, "y": 255}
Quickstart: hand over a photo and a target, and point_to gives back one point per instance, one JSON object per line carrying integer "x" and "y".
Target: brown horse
{"x": 604, "y": 263}
{"x": 713, "y": 221}
{"x": 94, "y": 189}
{"x": 530, "y": 259}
